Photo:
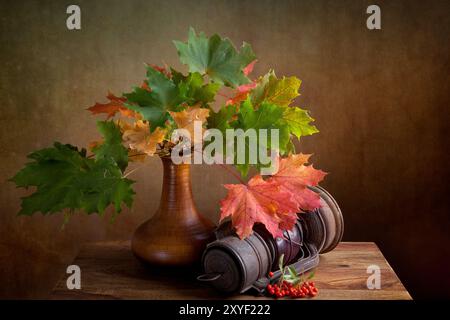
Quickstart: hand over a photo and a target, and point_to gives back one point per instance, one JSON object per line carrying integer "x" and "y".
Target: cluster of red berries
{"x": 307, "y": 289}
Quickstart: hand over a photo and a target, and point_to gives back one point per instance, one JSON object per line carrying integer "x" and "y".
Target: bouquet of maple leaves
{"x": 140, "y": 123}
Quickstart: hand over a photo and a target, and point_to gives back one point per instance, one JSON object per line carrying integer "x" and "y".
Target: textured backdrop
{"x": 380, "y": 99}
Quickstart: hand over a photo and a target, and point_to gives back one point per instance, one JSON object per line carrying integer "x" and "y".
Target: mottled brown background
{"x": 381, "y": 101}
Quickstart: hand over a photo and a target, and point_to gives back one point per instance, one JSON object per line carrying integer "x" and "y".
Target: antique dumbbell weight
{"x": 232, "y": 265}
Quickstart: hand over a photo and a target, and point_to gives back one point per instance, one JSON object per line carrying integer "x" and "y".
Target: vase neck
{"x": 176, "y": 194}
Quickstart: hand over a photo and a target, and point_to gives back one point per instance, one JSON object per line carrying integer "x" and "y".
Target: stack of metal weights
{"x": 232, "y": 265}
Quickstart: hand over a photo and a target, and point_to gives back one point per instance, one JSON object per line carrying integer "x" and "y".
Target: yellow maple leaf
{"x": 277, "y": 91}
{"x": 139, "y": 137}
{"x": 186, "y": 119}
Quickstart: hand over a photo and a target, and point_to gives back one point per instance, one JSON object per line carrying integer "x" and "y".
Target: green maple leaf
{"x": 154, "y": 105}
{"x": 298, "y": 121}
{"x": 65, "y": 179}
{"x": 268, "y": 116}
{"x": 194, "y": 90}
{"x": 277, "y": 91}
{"x": 262, "y": 118}
{"x": 216, "y": 57}
{"x": 221, "y": 120}
{"x": 112, "y": 147}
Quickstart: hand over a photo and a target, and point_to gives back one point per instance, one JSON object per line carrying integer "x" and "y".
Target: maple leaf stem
{"x": 131, "y": 171}
{"x": 232, "y": 173}
{"x": 130, "y": 156}
{"x": 223, "y": 95}
{"x": 228, "y": 169}
{"x": 137, "y": 155}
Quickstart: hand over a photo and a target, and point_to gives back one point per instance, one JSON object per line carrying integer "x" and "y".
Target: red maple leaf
{"x": 274, "y": 202}
{"x": 243, "y": 90}
{"x": 162, "y": 70}
{"x": 249, "y": 68}
{"x": 241, "y": 94}
{"x": 259, "y": 201}
{"x": 295, "y": 177}
{"x": 145, "y": 86}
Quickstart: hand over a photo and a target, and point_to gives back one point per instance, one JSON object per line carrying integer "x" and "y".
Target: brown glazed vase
{"x": 177, "y": 234}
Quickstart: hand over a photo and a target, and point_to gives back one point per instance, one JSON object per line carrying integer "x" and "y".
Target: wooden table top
{"x": 110, "y": 271}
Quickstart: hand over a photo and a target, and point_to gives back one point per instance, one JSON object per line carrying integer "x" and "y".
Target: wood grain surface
{"x": 110, "y": 271}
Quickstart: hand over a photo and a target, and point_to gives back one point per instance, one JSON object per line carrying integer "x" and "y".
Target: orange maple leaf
{"x": 295, "y": 177}
{"x": 115, "y": 105}
{"x": 139, "y": 137}
{"x": 185, "y": 120}
{"x": 259, "y": 201}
